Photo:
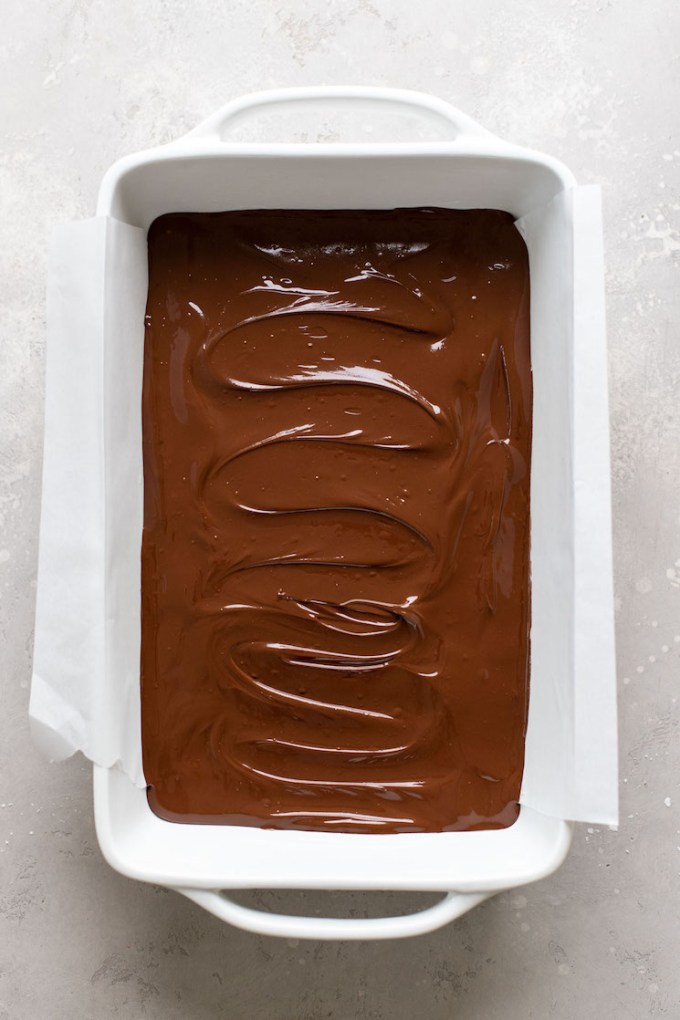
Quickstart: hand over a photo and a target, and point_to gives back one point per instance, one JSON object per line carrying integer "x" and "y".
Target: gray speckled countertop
{"x": 597, "y": 84}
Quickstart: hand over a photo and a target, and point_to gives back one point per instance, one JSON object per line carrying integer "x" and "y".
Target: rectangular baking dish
{"x": 204, "y": 172}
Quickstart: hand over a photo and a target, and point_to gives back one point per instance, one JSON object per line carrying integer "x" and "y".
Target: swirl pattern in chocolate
{"x": 335, "y": 563}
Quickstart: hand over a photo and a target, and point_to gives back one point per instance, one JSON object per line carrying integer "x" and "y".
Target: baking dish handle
{"x": 217, "y": 902}
{"x": 428, "y": 107}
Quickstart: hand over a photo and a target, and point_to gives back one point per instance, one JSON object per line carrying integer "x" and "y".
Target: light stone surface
{"x": 597, "y": 84}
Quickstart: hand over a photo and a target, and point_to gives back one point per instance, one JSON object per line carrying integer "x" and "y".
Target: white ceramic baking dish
{"x": 204, "y": 172}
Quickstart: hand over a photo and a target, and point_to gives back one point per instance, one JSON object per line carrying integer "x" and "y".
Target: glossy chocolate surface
{"x": 335, "y": 563}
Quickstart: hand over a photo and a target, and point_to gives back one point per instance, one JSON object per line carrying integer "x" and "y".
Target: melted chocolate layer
{"x": 335, "y": 569}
